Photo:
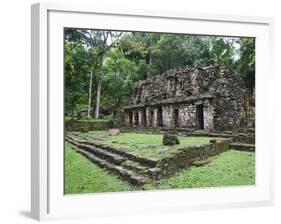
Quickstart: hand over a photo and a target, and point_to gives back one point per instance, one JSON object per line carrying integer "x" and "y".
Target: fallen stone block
{"x": 170, "y": 139}
{"x": 114, "y": 132}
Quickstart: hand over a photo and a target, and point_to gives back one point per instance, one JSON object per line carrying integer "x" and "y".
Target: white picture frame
{"x": 48, "y": 201}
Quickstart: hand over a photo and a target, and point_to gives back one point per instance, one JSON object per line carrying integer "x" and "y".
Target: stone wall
{"x": 85, "y": 125}
{"x": 187, "y": 116}
{"x": 168, "y": 116}
{"x": 185, "y": 156}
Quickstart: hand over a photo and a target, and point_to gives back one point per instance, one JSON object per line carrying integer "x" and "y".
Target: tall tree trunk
{"x": 98, "y": 100}
{"x": 90, "y": 94}
{"x": 99, "y": 89}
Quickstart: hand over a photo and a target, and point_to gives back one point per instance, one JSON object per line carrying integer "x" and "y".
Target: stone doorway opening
{"x": 136, "y": 118}
{"x": 200, "y": 116}
{"x": 159, "y": 116}
{"x": 151, "y": 118}
{"x": 144, "y": 117}
{"x": 176, "y": 117}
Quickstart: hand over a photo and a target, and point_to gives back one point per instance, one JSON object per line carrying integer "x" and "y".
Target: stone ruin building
{"x": 210, "y": 97}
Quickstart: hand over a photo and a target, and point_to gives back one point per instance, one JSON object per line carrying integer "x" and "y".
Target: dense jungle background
{"x": 101, "y": 66}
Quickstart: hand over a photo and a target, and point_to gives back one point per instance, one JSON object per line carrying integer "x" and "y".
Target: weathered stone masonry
{"x": 210, "y": 97}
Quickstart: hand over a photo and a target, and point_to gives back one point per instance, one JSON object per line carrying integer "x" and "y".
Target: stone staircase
{"x": 243, "y": 142}
{"x": 140, "y": 170}
{"x": 135, "y": 169}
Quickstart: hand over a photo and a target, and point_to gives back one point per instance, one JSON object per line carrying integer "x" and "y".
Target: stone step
{"x": 112, "y": 157}
{"x": 135, "y": 166}
{"x": 151, "y": 162}
{"x": 200, "y": 162}
{"x": 129, "y": 175}
{"x": 117, "y": 160}
{"x": 152, "y": 173}
{"x": 244, "y": 138}
{"x": 242, "y": 146}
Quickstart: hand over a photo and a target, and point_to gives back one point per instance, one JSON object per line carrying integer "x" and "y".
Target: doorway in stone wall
{"x": 144, "y": 117}
{"x": 159, "y": 117}
{"x": 176, "y": 117}
{"x": 200, "y": 116}
{"x": 151, "y": 118}
{"x": 136, "y": 118}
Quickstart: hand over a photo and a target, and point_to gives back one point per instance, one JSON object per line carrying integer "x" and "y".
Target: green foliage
{"x": 222, "y": 50}
{"x": 118, "y": 59}
{"x": 246, "y": 62}
{"x": 119, "y": 77}
{"x": 178, "y": 50}
{"x": 77, "y": 65}
{"x": 155, "y": 53}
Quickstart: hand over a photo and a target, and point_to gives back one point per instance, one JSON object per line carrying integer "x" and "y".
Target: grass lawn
{"x": 230, "y": 168}
{"x": 148, "y": 145}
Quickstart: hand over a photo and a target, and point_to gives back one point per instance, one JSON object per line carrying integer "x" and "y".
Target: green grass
{"x": 231, "y": 168}
{"x": 148, "y": 145}
{"x": 83, "y": 176}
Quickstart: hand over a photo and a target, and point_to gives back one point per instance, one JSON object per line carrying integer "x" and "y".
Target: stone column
{"x": 147, "y": 110}
{"x": 165, "y": 116}
{"x": 140, "y": 118}
{"x": 180, "y": 117}
{"x": 133, "y": 119}
{"x": 155, "y": 118}
{"x": 171, "y": 121}
{"x": 127, "y": 119}
{"x": 208, "y": 115}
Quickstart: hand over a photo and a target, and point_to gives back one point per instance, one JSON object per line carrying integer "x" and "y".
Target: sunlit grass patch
{"x": 83, "y": 176}
{"x": 231, "y": 168}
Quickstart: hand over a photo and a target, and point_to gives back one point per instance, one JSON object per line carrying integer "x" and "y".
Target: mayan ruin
{"x": 209, "y": 97}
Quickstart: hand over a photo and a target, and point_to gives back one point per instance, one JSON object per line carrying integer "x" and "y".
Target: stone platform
{"x": 238, "y": 140}
{"x": 140, "y": 170}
